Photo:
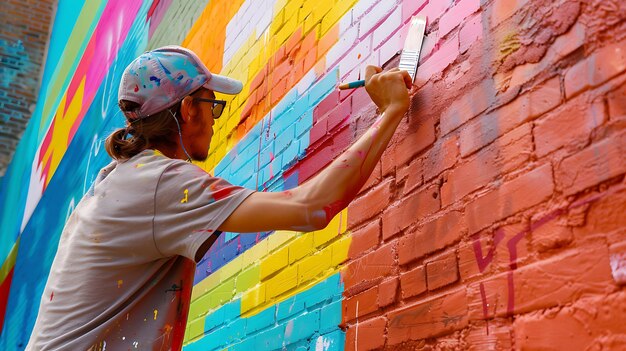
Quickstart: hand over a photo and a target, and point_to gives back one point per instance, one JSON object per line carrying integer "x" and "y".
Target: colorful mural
{"x": 422, "y": 234}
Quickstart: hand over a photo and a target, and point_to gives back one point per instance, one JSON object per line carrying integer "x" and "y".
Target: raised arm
{"x": 312, "y": 205}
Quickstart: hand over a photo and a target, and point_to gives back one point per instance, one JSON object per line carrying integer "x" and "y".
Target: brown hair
{"x": 159, "y": 128}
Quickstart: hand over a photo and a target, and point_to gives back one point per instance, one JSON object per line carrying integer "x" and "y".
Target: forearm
{"x": 334, "y": 187}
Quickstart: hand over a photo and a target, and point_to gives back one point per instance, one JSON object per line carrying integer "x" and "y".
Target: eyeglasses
{"x": 218, "y": 105}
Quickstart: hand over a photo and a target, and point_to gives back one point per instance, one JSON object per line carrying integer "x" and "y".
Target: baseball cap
{"x": 158, "y": 79}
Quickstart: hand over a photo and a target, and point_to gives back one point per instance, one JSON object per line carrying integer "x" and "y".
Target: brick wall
{"x": 23, "y": 43}
{"x": 493, "y": 221}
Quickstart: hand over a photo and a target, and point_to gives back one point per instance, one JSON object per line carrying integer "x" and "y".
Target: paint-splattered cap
{"x": 160, "y": 78}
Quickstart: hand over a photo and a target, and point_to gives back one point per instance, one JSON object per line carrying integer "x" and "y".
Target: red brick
{"x": 414, "y": 142}
{"x": 471, "y": 31}
{"x": 431, "y": 236}
{"x": 428, "y": 318}
{"x": 387, "y": 292}
{"x": 601, "y": 66}
{"x": 339, "y": 114}
{"x": 511, "y": 197}
{"x": 413, "y": 282}
{"x": 318, "y": 131}
{"x": 442, "y": 270}
{"x": 360, "y": 100}
{"x": 556, "y": 281}
{"x": 490, "y": 335}
{"x": 513, "y": 246}
{"x": 598, "y": 162}
{"x": 569, "y": 124}
{"x": 413, "y": 174}
{"x": 549, "y": 233}
{"x": 370, "y": 204}
{"x": 486, "y": 129}
{"x": 504, "y": 155}
{"x": 410, "y": 210}
{"x": 617, "y": 257}
{"x": 591, "y": 323}
{"x": 440, "y": 157}
{"x": 468, "y": 106}
{"x": 605, "y": 215}
{"x": 469, "y": 265}
{"x": 503, "y": 9}
{"x": 364, "y": 239}
{"x": 455, "y": 15}
{"x": 617, "y": 103}
{"x": 360, "y": 305}
{"x": 327, "y": 104}
{"x": 374, "y": 179}
{"x": 370, "y": 268}
{"x": 366, "y": 335}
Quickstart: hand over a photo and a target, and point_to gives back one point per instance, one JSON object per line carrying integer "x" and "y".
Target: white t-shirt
{"x": 122, "y": 276}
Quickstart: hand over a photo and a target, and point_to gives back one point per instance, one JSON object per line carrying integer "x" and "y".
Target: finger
{"x": 395, "y": 69}
{"x": 407, "y": 79}
{"x": 370, "y": 71}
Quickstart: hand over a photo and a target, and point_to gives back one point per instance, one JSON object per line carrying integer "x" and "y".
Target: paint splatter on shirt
{"x": 131, "y": 288}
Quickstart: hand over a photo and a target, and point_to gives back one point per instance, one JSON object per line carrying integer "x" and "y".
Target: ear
{"x": 188, "y": 109}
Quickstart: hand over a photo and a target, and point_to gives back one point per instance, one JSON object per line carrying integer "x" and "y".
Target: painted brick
{"x": 302, "y": 327}
{"x": 428, "y": 318}
{"x": 415, "y": 142}
{"x": 503, "y": 9}
{"x": 391, "y": 24}
{"x": 442, "y": 270}
{"x": 506, "y": 154}
{"x": 274, "y": 262}
{"x": 339, "y": 115}
{"x": 410, "y": 210}
{"x": 313, "y": 265}
{"x": 526, "y": 107}
{"x": 253, "y": 298}
{"x": 438, "y": 61}
{"x": 326, "y": 105}
{"x": 455, "y": 15}
{"x": 511, "y": 197}
{"x": 601, "y": 66}
{"x": 330, "y": 317}
{"x": 364, "y": 239}
{"x": 554, "y": 281}
{"x": 329, "y": 342}
{"x": 373, "y": 266}
{"x": 288, "y": 308}
{"x": 261, "y": 320}
{"x": 355, "y": 56}
{"x": 431, "y": 236}
{"x": 413, "y": 282}
{"x": 367, "y": 335}
{"x": 282, "y": 282}
{"x": 573, "y": 122}
{"x": 387, "y": 291}
{"x": 370, "y": 204}
{"x": 467, "y": 106}
{"x": 372, "y": 19}
{"x": 470, "y": 32}
{"x": 441, "y": 156}
{"x": 595, "y": 164}
{"x": 360, "y": 305}
{"x": 583, "y": 330}
{"x": 617, "y": 103}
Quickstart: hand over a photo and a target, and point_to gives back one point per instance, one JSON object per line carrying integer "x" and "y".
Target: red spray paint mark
{"x": 51, "y": 296}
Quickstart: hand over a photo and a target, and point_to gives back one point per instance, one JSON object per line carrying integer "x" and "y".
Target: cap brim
{"x": 224, "y": 84}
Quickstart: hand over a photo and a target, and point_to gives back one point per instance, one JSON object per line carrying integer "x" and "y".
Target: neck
{"x": 171, "y": 151}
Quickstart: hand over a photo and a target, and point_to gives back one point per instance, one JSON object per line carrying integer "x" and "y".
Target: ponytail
{"x": 159, "y": 128}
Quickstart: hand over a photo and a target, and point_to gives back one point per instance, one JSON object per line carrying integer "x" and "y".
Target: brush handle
{"x": 352, "y": 85}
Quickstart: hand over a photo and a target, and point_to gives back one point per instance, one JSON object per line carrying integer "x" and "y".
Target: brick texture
{"x": 23, "y": 43}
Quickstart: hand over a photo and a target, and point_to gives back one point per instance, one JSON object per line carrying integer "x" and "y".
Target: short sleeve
{"x": 190, "y": 205}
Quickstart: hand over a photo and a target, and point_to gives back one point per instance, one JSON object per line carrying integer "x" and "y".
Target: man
{"x": 124, "y": 269}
